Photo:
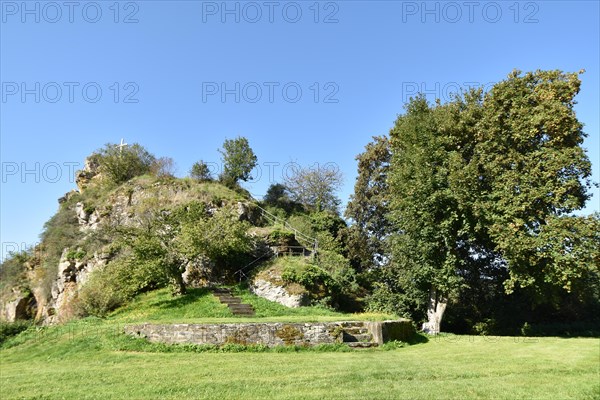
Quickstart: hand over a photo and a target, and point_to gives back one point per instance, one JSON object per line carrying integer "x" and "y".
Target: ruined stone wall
{"x": 269, "y": 334}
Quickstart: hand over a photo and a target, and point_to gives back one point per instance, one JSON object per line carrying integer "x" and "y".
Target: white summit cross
{"x": 120, "y": 146}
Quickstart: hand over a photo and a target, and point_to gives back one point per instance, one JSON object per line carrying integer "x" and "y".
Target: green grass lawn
{"x": 450, "y": 367}
{"x": 92, "y": 359}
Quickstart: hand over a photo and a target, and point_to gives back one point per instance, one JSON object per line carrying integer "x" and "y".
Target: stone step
{"x": 366, "y": 337}
{"x": 356, "y": 330}
{"x": 361, "y": 345}
{"x": 234, "y": 303}
{"x": 232, "y": 300}
{"x": 241, "y": 308}
{"x": 248, "y": 313}
{"x": 346, "y": 325}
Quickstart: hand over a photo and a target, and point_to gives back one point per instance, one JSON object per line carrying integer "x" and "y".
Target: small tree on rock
{"x": 200, "y": 171}
{"x": 238, "y": 160}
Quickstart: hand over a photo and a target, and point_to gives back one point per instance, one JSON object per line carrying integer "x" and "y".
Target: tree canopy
{"x": 487, "y": 183}
{"x": 315, "y": 187}
{"x": 238, "y": 160}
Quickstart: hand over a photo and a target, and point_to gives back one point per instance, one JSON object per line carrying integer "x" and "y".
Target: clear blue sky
{"x": 169, "y": 60}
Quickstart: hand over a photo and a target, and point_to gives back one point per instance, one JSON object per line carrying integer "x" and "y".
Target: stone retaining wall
{"x": 269, "y": 334}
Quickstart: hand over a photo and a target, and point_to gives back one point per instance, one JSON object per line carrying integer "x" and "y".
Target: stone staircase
{"x": 234, "y": 303}
{"x": 356, "y": 335}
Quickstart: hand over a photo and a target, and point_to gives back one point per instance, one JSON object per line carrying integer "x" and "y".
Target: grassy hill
{"x": 200, "y": 306}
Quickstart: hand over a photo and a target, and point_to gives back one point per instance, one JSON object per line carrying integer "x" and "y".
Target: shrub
{"x": 120, "y": 164}
{"x": 75, "y": 254}
{"x": 99, "y": 296}
{"x": 10, "y": 329}
{"x": 200, "y": 171}
{"x": 12, "y": 270}
{"x": 280, "y": 237}
{"x": 317, "y": 280}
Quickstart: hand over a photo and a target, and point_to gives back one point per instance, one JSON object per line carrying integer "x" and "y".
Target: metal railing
{"x": 310, "y": 242}
{"x": 300, "y": 237}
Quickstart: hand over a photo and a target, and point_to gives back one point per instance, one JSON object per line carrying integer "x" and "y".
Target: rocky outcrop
{"x": 279, "y": 294}
{"x": 67, "y": 196}
{"x": 72, "y": 274}
{"x": 89, "y": 171}
{"x": 23, "y": 306}
{"x": 248, "y": 212}
{"x": 88, "y": 219}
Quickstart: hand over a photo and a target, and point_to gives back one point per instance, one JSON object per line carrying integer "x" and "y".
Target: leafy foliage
{"x": 120, "y": 164}
{"x": 12, "y": 271}
{"x": 482, "y": 188}
{"x": 369, "y": 206}
{"x": 315, "y": 187}
{"x": 200, "y": 171}
{"x": 221, "y": 238}
{"x": 238, "y": 160}
{"x": 10, "y": 329}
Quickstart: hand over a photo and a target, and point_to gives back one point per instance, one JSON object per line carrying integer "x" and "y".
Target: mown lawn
{"x": 450, "y": 367}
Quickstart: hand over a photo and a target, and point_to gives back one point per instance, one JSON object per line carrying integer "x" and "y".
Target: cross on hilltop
{"x": 120, "y": 146}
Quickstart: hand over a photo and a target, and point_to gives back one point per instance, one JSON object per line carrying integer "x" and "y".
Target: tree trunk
{"x": 178, "y": 285}
{"x": 435, "y": 312}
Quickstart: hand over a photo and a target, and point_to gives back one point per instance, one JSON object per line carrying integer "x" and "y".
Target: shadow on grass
{"x": 190, "y": 297}
{"x": 418, "y": 338}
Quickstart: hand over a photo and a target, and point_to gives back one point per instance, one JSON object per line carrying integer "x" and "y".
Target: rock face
{"x": 130, "y": 205}
{"x": 89, "y": 171}
{"x": 24, "y": 306}
{"x": 87, "y": 220}
{"x": 279, "y": 294}
{"x": 72, "y": 274}
{"x": 247, "y": 212}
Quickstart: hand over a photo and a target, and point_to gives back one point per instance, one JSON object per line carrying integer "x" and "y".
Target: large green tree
{"x": 486, "y": 183}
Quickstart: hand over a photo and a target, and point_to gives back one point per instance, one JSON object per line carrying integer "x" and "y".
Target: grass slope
{"x": 200, "y": 306}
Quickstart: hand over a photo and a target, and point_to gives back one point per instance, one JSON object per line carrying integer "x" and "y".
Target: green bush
{"x": 280, "y": 237}
{"x": 119, "y": 165}
{"x": 10, "y": 329}
{"x": 117, "y": 283}
{"x": 99, "y": 296}
{"x": 75, "y": 254}
{"x": 12, "y": 271}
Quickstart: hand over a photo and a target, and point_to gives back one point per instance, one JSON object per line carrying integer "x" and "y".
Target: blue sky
{"x": 306, "y": 82}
